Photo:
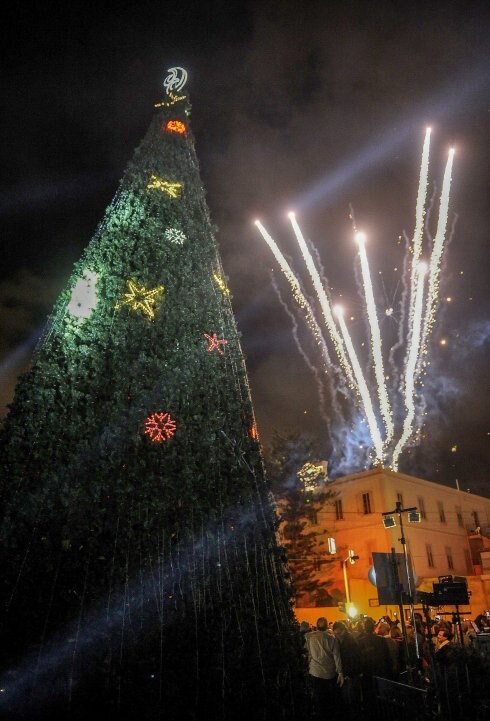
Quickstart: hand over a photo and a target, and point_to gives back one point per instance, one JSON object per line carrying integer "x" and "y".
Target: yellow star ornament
{"x": 138, "y": 297}
{"x": 173, "y": 190}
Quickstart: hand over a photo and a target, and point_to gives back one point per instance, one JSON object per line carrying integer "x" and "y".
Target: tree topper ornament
{"x": 175, "y": 80}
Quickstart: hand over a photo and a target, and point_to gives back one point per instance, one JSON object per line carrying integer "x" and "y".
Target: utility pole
{"x": 388, "y": 521}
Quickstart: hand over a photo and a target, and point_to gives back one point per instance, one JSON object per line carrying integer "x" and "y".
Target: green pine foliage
{"x": 142, "y": 579}
{"x": 306, "y": 545}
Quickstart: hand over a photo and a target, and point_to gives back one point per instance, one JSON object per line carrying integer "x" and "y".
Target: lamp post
{"x": 389, "y": 522}
{"x": 351, "y": 558}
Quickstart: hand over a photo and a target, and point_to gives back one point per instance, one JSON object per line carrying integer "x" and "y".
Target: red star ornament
{"x": 215, "y": 343}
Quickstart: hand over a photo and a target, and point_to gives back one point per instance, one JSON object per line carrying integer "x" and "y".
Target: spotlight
{"x": 414, "y": 517}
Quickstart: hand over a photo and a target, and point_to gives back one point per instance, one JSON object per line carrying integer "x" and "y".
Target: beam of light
{"x": 410, "y": 371}
{"x": 470, "y": 82}
{"x": 436, "y": 255}
{"x": 376, "y": 347}
{"x": 148, "y": 593}
{"x": 17, "y": 356}
{"x": 322, "y": 299}
{"x": 297, "y": 293}
{"x": 418, "y": 232}
{"x": 362, "y": 386}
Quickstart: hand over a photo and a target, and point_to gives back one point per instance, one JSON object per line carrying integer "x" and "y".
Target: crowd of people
{"x": 344, "y": 658}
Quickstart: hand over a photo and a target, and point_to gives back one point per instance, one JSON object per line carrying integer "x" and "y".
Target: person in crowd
{"x": 376, "y": 661}
{"x": 384, "y": 631}
{"x": 325, "y": 670}
{"x": 483, "y": 622}
{"x": 397, "y": 637}
{"x": 352, "y": 669}
{"x": 444, "y": 647}
{"x": 304, "y": 627}
{"x": 468, "y": 634}
{"x": 374, "y": 652}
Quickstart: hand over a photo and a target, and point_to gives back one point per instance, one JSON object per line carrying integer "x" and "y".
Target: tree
{"x": 298, "y": 482}
{"x": 141, "y": 577}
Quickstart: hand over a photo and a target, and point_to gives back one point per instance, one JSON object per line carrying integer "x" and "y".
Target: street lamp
{"x": 389, "y": 522}
{"x": 351, "y": 558}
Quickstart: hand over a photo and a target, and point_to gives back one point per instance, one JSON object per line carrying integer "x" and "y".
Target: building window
{"x": 442, "y": 515}
{"x": 366, "y": 503}
{"x": 459, "y": 517}
{"x": 430, "y": 557}
{"x": 467, "y": 560}
{"x": 449, "y": 558}
{"x": 421, "y": 505}
{"x": 339, "y": 513}
{"x": 476, "y": 519}
{"x": 399, "y": 498}
{"x": 313, "y": 516}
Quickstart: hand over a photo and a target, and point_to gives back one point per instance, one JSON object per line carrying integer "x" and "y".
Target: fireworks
{"x": 390, "y": 431}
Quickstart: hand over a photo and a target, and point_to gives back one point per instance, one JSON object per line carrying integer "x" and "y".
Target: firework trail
{"x": 436, "y": 256}
{"x": 417, "y": 317}
{"x": 314, "y": 370}
{"x": 323, "y": 298}
{"x": 300, "y": 298}
{"x": 384, "y": 402}
{"x": 413, "y": 354}
{"x": 363, "y": 389}
{"x": 418, "y": 233}
{"x": 400, "y": 342}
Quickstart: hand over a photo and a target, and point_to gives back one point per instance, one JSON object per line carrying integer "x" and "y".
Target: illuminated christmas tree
{"x": 141, "y": 577}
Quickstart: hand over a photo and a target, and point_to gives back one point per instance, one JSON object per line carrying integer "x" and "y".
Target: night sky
{"x": 310, "y": 107}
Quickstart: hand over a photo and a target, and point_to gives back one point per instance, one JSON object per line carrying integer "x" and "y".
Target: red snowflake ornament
{"x": 160, "y": 427}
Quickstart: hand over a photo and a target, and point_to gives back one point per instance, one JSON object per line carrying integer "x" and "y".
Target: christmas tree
{"x": 141, "y": 577}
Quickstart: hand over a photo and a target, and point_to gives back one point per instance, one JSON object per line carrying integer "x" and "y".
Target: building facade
{"x": 441, "y": 544}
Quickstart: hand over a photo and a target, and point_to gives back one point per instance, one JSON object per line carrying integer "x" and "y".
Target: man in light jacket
{"x": 325, "y": 669}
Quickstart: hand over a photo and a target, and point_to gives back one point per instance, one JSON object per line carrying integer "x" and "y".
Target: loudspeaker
{"x": 391, "y": 578}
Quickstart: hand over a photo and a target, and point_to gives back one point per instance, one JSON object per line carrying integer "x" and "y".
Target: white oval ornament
{"x": 175, "y": 80}
{"x": 84, "y": 296}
